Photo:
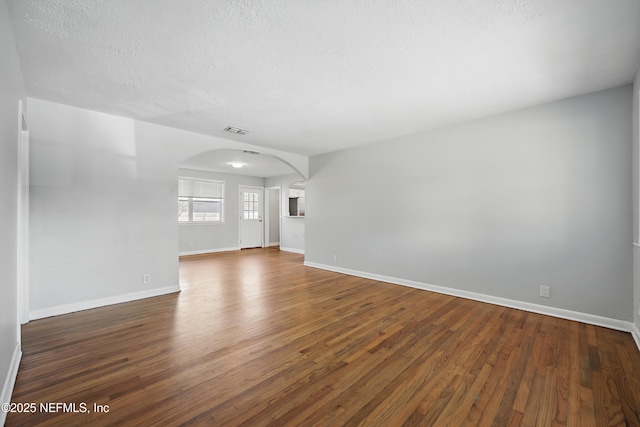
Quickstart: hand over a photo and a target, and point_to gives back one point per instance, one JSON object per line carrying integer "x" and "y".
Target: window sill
{"x": 200, "y": 223}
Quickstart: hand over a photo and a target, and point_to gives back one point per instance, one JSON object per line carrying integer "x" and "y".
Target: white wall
{"x": 292, "y": 231}
{"x": 103, "y": 211}
{"x": 497, "y": 206}
{"x": 293, "y": 234}
{"x": 11, "y": 91}
{"x": 203, "y": 238}
{"x": 103, "y": 205}
{"x": 273, "y": 209}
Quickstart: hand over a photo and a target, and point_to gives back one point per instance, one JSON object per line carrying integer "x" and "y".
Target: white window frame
{"x": 202, "y": 197}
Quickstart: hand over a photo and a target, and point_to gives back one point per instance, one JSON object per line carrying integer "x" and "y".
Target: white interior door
{"x": 251, "y": 212}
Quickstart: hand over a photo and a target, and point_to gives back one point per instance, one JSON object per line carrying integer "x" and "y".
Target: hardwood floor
{"x": 255, "y": 338}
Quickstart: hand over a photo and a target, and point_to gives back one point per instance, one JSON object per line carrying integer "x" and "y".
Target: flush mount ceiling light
{"x": 236, "y": 165}
{"x": 236, "y": 130}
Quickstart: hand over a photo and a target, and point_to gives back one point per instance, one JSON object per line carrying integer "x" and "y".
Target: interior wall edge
{"x": 10, "y": 380}
{"x": 635, "y": 333}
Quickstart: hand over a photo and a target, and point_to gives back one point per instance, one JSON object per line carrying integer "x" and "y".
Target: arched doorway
{"x": 225, "y": 220}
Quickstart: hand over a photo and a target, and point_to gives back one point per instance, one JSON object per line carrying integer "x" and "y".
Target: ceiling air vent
{"x": 250, "y": 152}
{"x": 237, "y": 130}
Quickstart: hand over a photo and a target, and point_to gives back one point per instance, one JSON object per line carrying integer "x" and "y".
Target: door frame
{"x": 267, "y": 218}
{"x": 23, "y": 220}
{"x": 241, "y": 209}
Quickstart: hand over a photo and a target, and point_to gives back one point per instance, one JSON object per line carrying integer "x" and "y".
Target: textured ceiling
{"x": 315, "y": 76}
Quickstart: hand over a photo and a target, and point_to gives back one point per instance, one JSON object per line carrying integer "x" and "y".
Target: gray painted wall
{"x": 274, "y": 216}
{"x": 498, "y": 206}
{"x": 11, "y": 90}
{"x": 103, "y": 208}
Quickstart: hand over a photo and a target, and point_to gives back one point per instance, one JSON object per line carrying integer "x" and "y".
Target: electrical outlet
{"x": 334, "y": 258}
{"x": 544, "y": 291}
{"x": 146, "y": 278}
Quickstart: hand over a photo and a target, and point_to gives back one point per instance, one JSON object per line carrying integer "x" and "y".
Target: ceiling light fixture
{"x": 236, "y": 130}
{"x": 236, "y": 165}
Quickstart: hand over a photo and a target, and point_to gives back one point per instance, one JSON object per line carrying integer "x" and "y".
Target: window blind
{"x": 197, "y": 188}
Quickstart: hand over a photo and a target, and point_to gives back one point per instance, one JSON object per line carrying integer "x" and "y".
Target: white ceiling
{"x": 258, "y": 165}
{"x": 310, "y": 77}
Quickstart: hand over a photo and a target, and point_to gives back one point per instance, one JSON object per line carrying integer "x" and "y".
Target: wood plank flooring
{"x": 257, "y": 339}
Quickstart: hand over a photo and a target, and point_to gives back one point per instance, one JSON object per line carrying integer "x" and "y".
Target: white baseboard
{"x": 298, "y": 251}
{"x": 208, "y": 251}
{"x": 591, "y": 319}
{"x": 273, "y": 244}
{"x": 10, "y": 380}
{"x": 635, "y": 333}
{"x": 101, "y": 302}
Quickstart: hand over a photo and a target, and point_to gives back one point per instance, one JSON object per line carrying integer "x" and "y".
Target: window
{"x": 200, "y": 200}
{"x": 251, "y": 208}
